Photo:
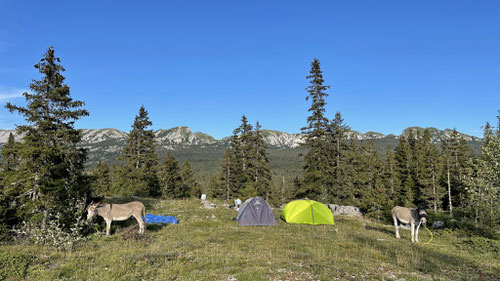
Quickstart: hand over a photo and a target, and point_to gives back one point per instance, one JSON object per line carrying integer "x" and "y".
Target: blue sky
{"x": 202, "y": 64}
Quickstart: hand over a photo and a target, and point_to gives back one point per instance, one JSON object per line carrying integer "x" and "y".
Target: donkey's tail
{"x": 143, "y": 214}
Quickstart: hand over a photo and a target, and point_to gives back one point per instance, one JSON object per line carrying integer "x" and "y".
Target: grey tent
{"x": 256, "y": 211}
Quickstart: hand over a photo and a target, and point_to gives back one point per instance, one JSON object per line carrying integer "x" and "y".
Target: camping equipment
{"x": 160, "y": 219}
{"x": 256, "y": 211}
{"x": 307, "y": 212}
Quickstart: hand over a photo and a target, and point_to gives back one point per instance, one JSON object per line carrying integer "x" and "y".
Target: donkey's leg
{"x": 396, "y": 226}
{"x": 108, "y": 226}
{"x": 412, "y": 232}
{"x": 140, "y": 222}
{"x": 416, "y": 233}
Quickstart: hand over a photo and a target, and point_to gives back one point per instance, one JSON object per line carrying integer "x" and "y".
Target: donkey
{"x": 118, "y": 212}
{"x": 412, "y": 216}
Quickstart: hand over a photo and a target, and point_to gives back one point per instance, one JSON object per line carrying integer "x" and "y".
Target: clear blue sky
{"x": 202, "y": 64}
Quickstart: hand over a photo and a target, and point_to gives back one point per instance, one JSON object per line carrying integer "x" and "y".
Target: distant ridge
{"x": 183, "y": 136}
{"x": 205, "y": 152}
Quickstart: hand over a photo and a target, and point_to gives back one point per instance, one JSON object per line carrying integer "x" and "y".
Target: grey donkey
{"x": 414, "y": 217}
{"x": 118, "y": 212}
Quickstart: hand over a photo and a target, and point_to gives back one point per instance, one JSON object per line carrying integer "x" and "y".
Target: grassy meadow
{"x": 208, "y": 245}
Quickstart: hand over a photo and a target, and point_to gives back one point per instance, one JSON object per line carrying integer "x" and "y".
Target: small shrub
{"x": 52, "y": 232}
{"x": 13, "y": 266}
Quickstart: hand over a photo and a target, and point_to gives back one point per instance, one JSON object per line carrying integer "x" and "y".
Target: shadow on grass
{"x": 380, "y": 229}
{"x": 431, "y": 261}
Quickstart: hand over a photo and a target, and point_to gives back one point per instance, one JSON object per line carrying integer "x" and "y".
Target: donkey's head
{"x": 422, "y": 215}
{"x": 92, "y": 211}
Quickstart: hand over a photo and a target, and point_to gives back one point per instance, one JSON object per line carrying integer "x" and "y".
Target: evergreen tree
{"x": 344, "y": 189}
{"x": 340, "y": 160}
{"x": 50, "y": 177}
{"x": 10, "y": 159}
{"x": 172, "y": 185}
{"x": 8, "y": 172}
{"x": 316, "y": 161}
{"x": 102, "y": 184}
{"x": 429, "y": 168}
{"x": 215, "y": 187}
{"x": 457, "y": 159}
{"x": 280, "y": 193}
{"x": 390, "y": 175}
{"x": 138, "y": 174}
{"x": 227, "y": 176}
{"x": 483, "y": 188}
{"x": 403, "y": 156}
{"x": 245, "y": 170}
{"x": 189, "y": 181}
{"x": 258, "y": 169}
{"x": 369, "y": 179}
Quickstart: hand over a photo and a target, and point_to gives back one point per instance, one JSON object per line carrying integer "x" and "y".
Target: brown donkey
{"x": 118, "y": 212}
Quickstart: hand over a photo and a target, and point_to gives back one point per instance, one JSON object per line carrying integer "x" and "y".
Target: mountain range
{"x": 205, "y": 152}
{"x": 183, "y": 136}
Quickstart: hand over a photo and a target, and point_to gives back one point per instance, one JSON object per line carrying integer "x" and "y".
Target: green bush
{"x": 13, "y": 266}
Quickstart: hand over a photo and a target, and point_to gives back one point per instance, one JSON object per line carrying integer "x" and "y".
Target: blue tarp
{"x": 160, "y": 219}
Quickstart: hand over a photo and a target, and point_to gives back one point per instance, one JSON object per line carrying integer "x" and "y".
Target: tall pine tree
{"x": 171, "y": 182}
{"x": 101, "y": 179}
{"x": 403, "y": 156}
{"x": 457, "y": 159}
{"x": 189, "y": 181}
{"x": 50, "y": 177}
{"x": 316, "y": 161}
{"x": 137, "y": 175}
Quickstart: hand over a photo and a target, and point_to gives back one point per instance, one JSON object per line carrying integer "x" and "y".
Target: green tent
{"x": 307, "y": 212}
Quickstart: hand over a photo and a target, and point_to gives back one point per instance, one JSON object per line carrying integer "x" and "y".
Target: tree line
{"x": 43, "y": 176}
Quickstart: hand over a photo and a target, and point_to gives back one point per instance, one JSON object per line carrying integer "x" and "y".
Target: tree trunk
{"x": 449, "y": 187}
{"x": 434, "y": 189}
{"x": 392, "y": 180}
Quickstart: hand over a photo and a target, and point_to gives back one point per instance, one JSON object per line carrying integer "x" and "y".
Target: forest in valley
{"x": 44, "y": 179}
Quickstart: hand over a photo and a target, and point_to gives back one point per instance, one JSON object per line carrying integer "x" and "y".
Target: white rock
{"x": 345, "y": 210}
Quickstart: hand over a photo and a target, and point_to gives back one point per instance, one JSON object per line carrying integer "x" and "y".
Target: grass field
{"x": 208, "y": 245}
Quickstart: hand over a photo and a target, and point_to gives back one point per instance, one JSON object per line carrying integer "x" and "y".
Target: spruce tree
{"x": 140, "y": 162}
{"x": 227, "y": 176}
{"x": 10, "y": 159}
{"x": 458, "y": 160}
{"x": 403, "y": 156}
{"x": 215, "y": 187}
{"x": 189, "y": 181}
{"x": 370, "y": 187}
{"x": 429, "y": 168}
{"x": 316, "y": 161}
{"x": 50, "y": 179}
{"x": 172, "y": 185}
{"x": 258, "y": 170}
{"x": 483, "y": 188}
{"x": 340, "y": 159}
{"x": 390, "y": 174}
{"x": 8, "y": 193}
{"x": 245, "y": 170}
{"x": 102, "y": 184}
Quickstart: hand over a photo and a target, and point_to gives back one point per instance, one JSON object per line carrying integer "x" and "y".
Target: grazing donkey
{"x": 118, "y": 212}
{"x": 411, "y": 216}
